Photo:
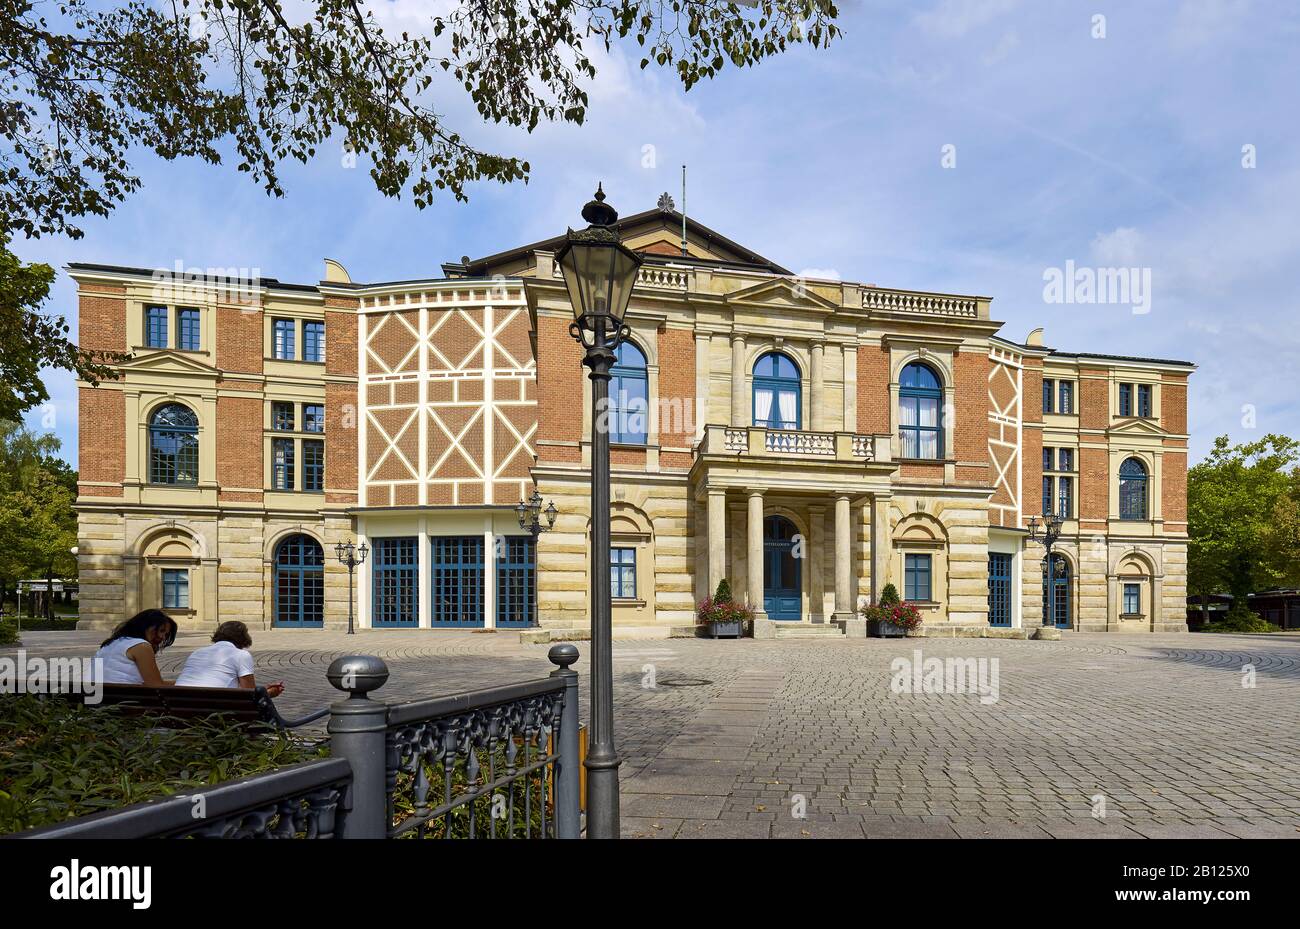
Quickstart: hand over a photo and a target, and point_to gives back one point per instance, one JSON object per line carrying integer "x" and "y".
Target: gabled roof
{"x": 723, "y": 251}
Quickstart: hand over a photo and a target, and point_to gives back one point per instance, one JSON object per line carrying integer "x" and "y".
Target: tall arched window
{"x": 174, "y": 445}
{"x": 1132, "y": 489}
{"x": 628, "y": 396}
{"x": 777, "y": 401}
{"x": 299, "y": 582}
{"x": 919, "y": 400}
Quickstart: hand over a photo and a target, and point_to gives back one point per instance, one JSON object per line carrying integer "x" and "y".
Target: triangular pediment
{"x": 782, "y": 293}
{"x": 656, "y": 232}
{"x": 166, "y": 361}
{"x": 1143, "y": 427}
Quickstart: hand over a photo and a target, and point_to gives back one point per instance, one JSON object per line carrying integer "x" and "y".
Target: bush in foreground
{"x": 60, "y": 759}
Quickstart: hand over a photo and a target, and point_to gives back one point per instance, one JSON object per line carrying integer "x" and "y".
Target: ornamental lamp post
{"x": 599, "y": 273}
{"x": 351, "y": 556}
{"x": 530, "y": 515}
{"x": 1050, "y": 532}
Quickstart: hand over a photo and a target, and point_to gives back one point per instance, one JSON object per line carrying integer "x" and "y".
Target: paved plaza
{"x": 806, "y": 739}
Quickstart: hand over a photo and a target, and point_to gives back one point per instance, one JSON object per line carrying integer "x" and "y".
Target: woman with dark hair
{"x": 127, "y": 656}
{"x": 224, "y": 663}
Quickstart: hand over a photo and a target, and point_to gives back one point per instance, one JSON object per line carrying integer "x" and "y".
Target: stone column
{"x": 717, "y": 538}
{"x": 881, "y": 544}
{"x": 764, "y": 628}
{"x": 817, "y": 389}
{"x": 817, "y": 563}
{"x": 739, "y": 396}
{"x": 843, "y": 559}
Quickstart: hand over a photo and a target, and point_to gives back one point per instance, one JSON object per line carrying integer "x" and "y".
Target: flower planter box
{"x": 724, "y": 630}
{"x": 883, "y": 629}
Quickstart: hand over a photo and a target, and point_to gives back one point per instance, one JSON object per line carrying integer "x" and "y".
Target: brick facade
{"x": 446, "y": 401}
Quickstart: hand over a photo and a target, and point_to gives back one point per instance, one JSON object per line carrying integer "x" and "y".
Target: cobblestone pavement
{"x": 734, "y": 738}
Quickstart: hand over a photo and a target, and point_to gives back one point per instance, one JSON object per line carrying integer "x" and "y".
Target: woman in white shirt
{"x": 128, "y": 655}
{"x": 224, "y": 663}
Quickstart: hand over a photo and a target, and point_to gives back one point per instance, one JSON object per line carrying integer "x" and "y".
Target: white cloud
{"x": 955, "y": 18}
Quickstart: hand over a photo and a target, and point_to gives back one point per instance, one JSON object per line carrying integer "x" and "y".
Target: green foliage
{"x": 60, "y": 759}
{"x": 30, "y": 339}
{"x": 281, "y": 82}
{"x": 8, "y": 633}
{"x": 1240, "y": 619}
{"x": 889, "y": 595}
{"x": 1243, "y": 511}
{"x": 526, "y": 795}
{"x": 723, "y": 593}
{"x": 37, "y": 493}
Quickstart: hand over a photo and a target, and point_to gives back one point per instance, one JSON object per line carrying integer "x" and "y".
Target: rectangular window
{"x": 313, "y": 417}
{"x": 516, "y": 590}
{"x": 313, "y": 340}
{"x": 187, "y": 329}
{"x": 282, "y": 416}
{"x": 1048, "y": 391}
{"x": 395, "y": 582}
{"x": 282, "y": 464}
{"x": 1065, "y": 459}
{"x": 155, "y": 326}
{"x": 284, "y": 334}
{"x": 1132, "y": 599}
{"x": 916, "y": 578}
{"x": 622, "y": 573}
{"x": 1049, "y": 456}
{"x": 1067, "y": 397}
{"x": 1125, "y": 399}
{"x": 1047, "y": 496}
{"x": 1065, "y": 497}
{"x": 176, "y": 588}
{"x": 1144, "y": 400}
{"x": 313, "y": 465}
{"x": 999, "y": 589}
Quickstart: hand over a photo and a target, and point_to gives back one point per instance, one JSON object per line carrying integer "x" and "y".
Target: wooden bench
{"x": 236, "y": 704}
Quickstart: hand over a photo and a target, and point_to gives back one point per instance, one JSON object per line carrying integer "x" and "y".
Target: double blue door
{"x": 782, "y": 587}
{"x": 457, "y": 582}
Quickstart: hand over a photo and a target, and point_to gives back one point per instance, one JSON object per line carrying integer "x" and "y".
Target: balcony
{"x": 760, "y": 442}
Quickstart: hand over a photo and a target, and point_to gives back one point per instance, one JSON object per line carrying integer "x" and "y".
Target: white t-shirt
{"x": 118, "y": 666}
{"x": 220, "y": 664}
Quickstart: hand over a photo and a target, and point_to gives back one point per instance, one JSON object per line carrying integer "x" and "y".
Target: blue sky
{"x": 1122, "y": 151}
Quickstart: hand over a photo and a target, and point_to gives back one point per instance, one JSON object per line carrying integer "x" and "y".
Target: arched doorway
{"x": 299, "y": 583}
{"x": 782, "y": 577}
{"x": 1057, "y": 587}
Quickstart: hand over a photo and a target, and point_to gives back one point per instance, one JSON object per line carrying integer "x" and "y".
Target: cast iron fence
{"x": 496, "y": 763}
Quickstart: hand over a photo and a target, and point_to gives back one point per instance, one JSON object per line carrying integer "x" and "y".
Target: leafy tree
{"x": 1242, "y": 506}
{"x": 37, "y": 519}
{"x": 83, "y": 83}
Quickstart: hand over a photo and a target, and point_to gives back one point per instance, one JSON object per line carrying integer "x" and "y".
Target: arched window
{"x": 174, "y": 445}
{"x": 777, "y": 401}
{"x": 299, "y": 582}
{"x": 1058, "y": 592}
{"x": 1132, "y": 489}
{"x": 628, "y": 396}
{"x": 919, "y": 400}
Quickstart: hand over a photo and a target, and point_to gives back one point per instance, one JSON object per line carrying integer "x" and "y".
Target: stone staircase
{"x": 808, "y": 631}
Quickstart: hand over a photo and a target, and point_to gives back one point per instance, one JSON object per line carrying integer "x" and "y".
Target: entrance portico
{"x": 790, "y": 483}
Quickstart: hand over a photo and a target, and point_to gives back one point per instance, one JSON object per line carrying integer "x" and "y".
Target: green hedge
{"x": 60, "y": 759}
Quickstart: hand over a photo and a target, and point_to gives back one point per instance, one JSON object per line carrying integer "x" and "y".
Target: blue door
{"x": 781, "y": 570}
{"x": 999, "y": 589}
{"x": 299, "y": 583}
{"x": 457, "y": 582}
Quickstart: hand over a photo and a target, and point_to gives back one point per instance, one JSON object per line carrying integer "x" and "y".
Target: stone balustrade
{"x": 757, "y": 441}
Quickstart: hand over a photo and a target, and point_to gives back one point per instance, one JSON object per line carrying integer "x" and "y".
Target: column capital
{"x": 755, "y": 491}
{"x": 737, "y": 337}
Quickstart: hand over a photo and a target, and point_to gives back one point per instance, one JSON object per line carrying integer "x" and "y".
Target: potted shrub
{"x": 891, "y": 617}
{"x": 724, "y": 617}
